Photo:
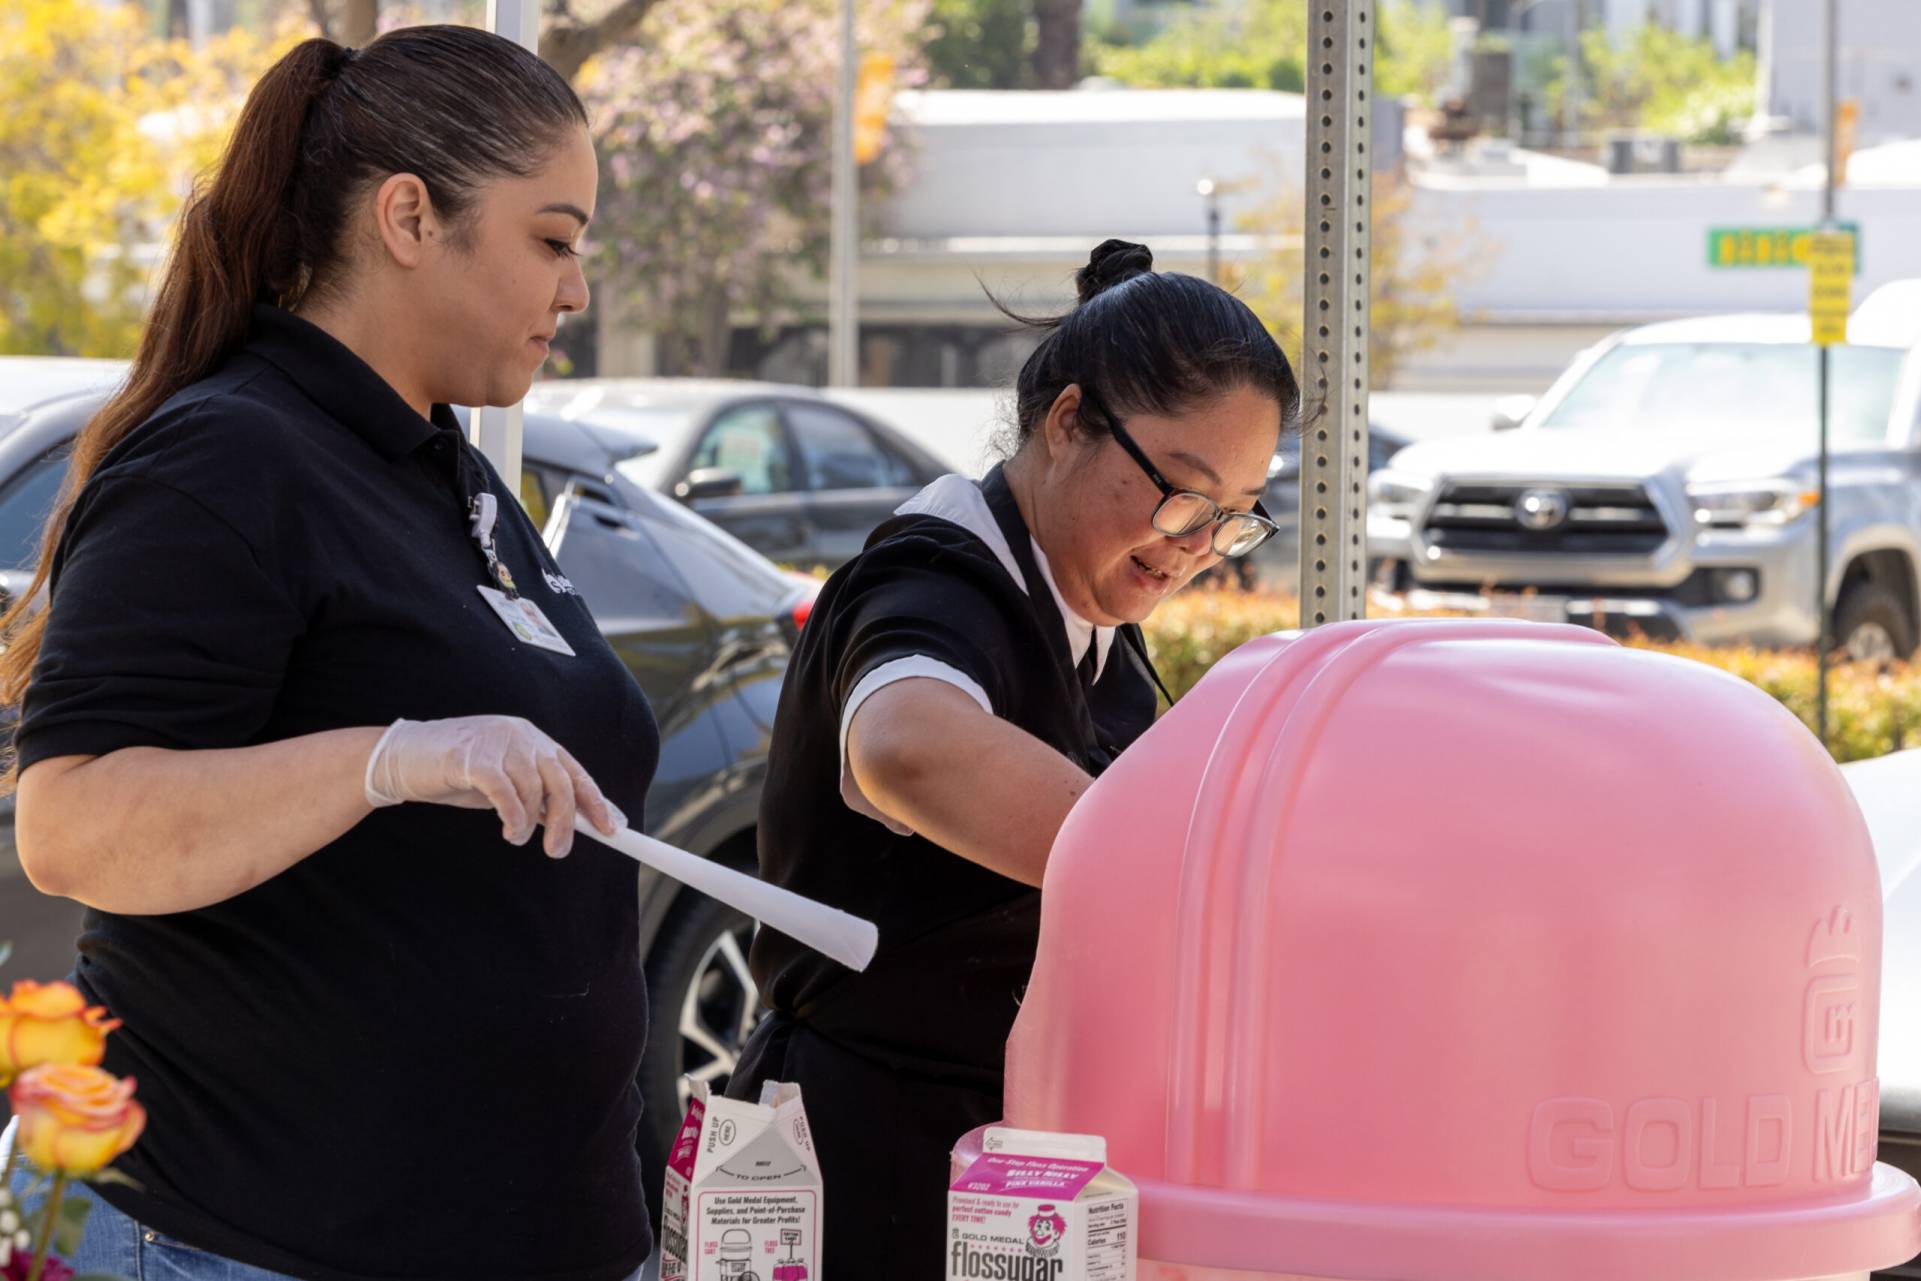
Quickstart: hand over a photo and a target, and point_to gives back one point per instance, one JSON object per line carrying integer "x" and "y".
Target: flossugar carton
{"x": 1041, "y": 1207}
{"x": 741, "y": 1199}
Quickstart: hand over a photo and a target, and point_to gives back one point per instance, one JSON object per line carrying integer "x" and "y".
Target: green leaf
{"x": 101, "y": 1276}
{"x": 73, "y": 1223}
{"x": 6, "y": 950}
{"x": 113, "y": 1176}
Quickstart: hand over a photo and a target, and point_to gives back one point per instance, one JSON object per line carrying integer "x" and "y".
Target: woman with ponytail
{"x": 276, "y": 736}
{"x": 958, "y": 686}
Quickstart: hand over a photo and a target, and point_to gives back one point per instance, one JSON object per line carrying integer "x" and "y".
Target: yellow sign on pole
{"x": 873, "y": 98}
{"x": 1847, "y": 128}
{"x": 1830, "y": 275}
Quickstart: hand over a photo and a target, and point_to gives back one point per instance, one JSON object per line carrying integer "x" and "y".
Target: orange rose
{"x": 50, "y": 1023}
{"x": 75, "y": 1119}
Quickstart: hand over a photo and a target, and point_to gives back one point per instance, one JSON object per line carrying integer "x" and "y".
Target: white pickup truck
{"x": 1666, "y": 484}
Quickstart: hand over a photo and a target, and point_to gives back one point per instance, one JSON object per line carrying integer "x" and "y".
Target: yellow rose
{"x": 75, "y": 1119}
{"x": 50, "y": 1023}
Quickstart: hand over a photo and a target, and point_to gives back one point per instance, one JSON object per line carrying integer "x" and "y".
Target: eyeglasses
{"x": 1182, "y": 511}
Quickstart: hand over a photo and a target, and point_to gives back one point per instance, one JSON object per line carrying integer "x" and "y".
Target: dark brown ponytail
{"x": 322, "y": 124}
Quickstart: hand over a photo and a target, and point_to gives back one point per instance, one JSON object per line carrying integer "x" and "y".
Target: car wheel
{"x": 1872, "y": 625}
{"x": 702, "y": 1003}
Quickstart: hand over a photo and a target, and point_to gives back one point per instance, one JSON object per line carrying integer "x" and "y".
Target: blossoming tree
{"x": 715, "y": 130}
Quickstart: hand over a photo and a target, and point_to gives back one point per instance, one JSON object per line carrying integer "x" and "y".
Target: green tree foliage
{"x": 105, "y": 126}
{"x": 1221, "y": 45}
{"x": 1416, "y": 52}
{"x": 1413, "y": 277}
{"x": 1660, "y": 81}
{"x": 1262, "y": 44}
{"x": 981, "y": 44}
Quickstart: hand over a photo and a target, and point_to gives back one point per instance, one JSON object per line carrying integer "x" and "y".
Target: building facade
{"x": 1878, "y": 55}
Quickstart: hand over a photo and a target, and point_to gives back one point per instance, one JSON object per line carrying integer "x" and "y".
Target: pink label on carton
{"x": 1036, "y": 1178}
{"x": 687, "y": 1143}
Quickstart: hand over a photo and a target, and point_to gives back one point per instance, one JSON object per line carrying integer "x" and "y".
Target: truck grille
{"x": 1604, "y": 520}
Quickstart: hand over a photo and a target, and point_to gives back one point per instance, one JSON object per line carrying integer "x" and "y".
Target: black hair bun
{"x": 1111, "y": 263}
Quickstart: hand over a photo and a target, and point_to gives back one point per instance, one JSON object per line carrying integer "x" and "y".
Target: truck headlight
{"x": 1751, "y": 504}
{"x": 1397, "y": 494}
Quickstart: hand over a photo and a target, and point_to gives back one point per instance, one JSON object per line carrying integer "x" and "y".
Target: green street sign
{"x": 1770, "y": 247}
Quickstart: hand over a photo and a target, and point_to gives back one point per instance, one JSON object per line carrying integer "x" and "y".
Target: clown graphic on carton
{"x": 1041, "y": 1207}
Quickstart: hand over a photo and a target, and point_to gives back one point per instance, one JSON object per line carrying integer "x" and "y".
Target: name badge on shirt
{"x": 525, "y": 621}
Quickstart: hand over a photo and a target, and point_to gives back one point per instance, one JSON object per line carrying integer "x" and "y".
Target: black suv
{"x": 704, "y": 623}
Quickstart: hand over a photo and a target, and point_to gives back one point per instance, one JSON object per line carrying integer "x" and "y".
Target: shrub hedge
{"x": 1872, "y": 708}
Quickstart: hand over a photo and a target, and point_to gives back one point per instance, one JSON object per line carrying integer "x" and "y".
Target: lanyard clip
{"x": 482, "y": 513}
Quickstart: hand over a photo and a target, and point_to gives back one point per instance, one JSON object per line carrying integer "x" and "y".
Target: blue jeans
{"x": 120, "y": 1246}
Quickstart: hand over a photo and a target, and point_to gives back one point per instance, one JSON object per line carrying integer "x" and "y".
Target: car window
{"x": 25, "y": 504}
{"x": 747, "y": 440}
{"x": 635, "y": 597}
{"x": 1754, "y": 390}
{"x": 617, "y": 570}
{"x": 838, "y": 452}
{"x": 731, "y": 579}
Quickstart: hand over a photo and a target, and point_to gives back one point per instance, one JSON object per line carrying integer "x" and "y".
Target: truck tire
{"x": 1872, "y": 625}
{"x": 700, "y": 999}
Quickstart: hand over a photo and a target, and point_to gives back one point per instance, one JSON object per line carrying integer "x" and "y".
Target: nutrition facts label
{"x": 1109, "y": 1255}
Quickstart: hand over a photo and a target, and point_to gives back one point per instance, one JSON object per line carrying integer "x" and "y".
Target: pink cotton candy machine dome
{"x": 1472, "y": 951}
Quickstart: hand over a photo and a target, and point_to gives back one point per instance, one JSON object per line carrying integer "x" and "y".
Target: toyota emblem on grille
{"x": 1541, "y": 509}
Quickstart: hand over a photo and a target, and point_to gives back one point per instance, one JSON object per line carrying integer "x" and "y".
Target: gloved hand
{"x": 502, "y": 763}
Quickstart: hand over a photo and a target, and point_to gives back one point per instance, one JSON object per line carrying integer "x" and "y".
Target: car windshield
{"x": 1756, "y": 390}
{"x": 664, "y": 425}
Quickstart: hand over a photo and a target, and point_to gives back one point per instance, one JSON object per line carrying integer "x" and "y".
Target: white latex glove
{"x": 501, "y": 763}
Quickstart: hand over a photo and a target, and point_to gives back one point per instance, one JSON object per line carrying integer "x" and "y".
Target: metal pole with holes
{"x": 1823, "y": 553}
{"x": 843, "y": 259}
{"x": 496, "y": 431}
{"x": 1334, "y": 373}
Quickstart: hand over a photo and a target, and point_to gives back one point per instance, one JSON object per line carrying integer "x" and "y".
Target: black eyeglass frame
{"x": 1220, "y": 518}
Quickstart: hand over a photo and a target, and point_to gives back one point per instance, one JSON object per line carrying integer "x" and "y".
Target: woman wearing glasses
{"x": 958, "y": 686}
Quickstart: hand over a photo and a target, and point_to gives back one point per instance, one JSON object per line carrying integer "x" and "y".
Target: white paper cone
{"x": 828, "y": 930}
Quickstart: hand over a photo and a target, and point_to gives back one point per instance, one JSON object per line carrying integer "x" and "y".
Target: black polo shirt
{"x": 412, "y": 1054}
{"x": 957, "y": 940}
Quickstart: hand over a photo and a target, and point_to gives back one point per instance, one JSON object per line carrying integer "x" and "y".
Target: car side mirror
{"x": 1511, "y": 411}
{"x": 709, "y": 482}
